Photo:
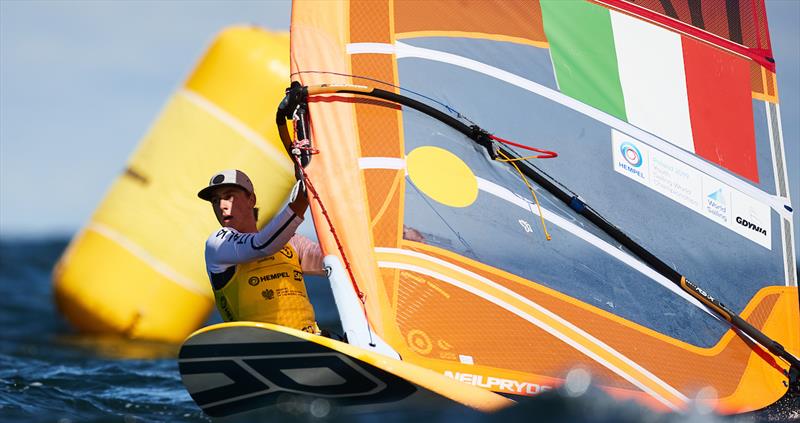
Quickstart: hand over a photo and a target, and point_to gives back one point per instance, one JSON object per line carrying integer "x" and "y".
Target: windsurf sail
{"x": 669, "y": 187}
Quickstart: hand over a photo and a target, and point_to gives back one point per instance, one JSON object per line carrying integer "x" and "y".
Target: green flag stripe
{"x": 584, "y": 58}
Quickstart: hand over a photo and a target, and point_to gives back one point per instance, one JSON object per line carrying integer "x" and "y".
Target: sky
{"x": 82, "y": 81}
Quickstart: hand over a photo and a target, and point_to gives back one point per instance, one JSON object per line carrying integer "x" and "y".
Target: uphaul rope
{"x": 301, "y": 150}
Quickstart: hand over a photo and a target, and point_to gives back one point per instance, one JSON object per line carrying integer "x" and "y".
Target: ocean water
{"x": 48, "y": 373}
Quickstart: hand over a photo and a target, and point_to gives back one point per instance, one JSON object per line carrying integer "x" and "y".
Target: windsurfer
{"x": 258, "y": 275}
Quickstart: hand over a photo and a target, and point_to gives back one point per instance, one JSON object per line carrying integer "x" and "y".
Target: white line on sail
{"x": 393, "y": 163}
{"x": 157, "y": 265}
{"x": 402, "y": 50}
{"x": 563, "y": 337}
{"x": 506, "y": 195}
{"x": 239, "y": 127}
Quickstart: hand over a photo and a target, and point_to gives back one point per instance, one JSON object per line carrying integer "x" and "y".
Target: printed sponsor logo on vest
{"x": 253, "y": 281}
{"x": 500, "y": 384}
{"x": 268, "y": 294}
{"x": 298, "y": 275}
{"x": 286, "y": 251}
{"x": 750, "y": 225}
{"x": 289, "y": 292}
{"x": 273, "y": 276}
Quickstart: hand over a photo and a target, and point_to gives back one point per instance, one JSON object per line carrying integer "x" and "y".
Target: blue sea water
{"x": 48, "y": 373}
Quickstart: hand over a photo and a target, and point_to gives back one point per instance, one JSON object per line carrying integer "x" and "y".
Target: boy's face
{"x": 233, "y": 208}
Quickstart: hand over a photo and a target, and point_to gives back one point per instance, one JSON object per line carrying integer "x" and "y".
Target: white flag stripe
{"x": 651, "y": 71}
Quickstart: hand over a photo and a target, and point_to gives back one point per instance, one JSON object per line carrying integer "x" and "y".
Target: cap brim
{"x": 205, "y": 193}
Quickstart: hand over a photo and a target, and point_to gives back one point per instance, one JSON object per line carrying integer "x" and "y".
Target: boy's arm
{"x": 310, "y": 255}
{"x": 228, "y": 247}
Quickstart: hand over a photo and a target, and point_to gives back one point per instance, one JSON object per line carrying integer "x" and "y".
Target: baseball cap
{"x": 230, "y": 177}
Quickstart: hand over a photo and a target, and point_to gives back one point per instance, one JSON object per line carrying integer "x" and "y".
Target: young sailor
{"x": 258, "y": 275}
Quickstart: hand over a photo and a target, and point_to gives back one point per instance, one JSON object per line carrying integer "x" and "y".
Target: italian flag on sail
{"x": 682, "y": 90}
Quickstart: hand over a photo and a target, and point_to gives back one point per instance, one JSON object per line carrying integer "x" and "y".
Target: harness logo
{"x": 270, "y": 277}
{"x": 631, "y": 154}
{"x": 268, "y": 294}
{"x": 750, "y": 225}
{"x": 298, "y": 275}
{"x": 253, "y": 281}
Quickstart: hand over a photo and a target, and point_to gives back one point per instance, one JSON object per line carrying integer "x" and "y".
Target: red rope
{"x": 313, "y": 191}
{"x": 546, "y": 154}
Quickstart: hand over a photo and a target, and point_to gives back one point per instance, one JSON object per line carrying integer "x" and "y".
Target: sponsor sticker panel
{"x": 691, "y": 188}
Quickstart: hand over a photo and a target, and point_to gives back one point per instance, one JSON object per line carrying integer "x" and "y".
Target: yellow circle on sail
{"x": 442, "y": 175}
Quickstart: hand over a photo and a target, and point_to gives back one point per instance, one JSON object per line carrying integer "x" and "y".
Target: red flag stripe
{"x": 720, "y": 107}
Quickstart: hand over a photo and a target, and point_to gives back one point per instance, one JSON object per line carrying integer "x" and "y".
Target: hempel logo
{"x": 632, "y": 161}
{"x": 631, "y": 154}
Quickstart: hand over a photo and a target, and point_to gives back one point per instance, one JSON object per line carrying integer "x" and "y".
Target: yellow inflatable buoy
{"x": 137, "y": 268}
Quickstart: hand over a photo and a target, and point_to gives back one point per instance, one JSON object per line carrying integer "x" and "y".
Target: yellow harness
{"x": 268, "y": 290}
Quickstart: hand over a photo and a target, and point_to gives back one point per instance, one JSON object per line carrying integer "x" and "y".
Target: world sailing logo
{"x": 716, "y": 206}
